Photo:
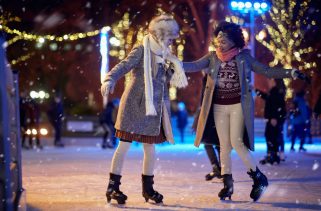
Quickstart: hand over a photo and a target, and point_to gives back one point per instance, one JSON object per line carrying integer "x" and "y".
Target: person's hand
{"x": 106, "y": 88}
{"x": 274, "y": 122}
{"x": 297, "y": 74}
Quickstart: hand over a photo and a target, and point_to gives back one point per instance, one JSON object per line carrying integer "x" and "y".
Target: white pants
{"x": 229, "y": 122}
{"x": 121, "y": 151}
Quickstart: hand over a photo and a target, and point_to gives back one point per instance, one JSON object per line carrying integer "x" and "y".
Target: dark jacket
{"x": 274, "y": 105}
{"x": 106, "y": 116}
{"x": 317, "y": 107}
{"x": 55, "y": 112}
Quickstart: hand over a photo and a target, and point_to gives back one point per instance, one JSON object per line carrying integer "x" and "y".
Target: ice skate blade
{"x": 223, "y": 198}
{"x": 263, "y": 191}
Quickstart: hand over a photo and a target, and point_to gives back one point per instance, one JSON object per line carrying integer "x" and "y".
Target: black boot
{"x": 227, "y": 191}
{"x": 274, "y": 158}
{"x": 113, "y": 191}
{"x": 148, "y": 190}
{"x": 271, "y": 158}
{"x": 260, "y": 183}
{"x": 215, "y": 173}
{"x": 266, "y": 159}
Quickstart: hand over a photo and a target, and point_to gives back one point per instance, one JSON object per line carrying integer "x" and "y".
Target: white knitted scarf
{"x": 178, "y": 79}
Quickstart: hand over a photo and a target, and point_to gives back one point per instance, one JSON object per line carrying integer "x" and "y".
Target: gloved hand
{"x": 297, "y": 74}
{"x": 107, "y": 87}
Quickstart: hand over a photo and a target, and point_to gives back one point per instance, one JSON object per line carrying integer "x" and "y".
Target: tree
{"x": 290, "y": 23}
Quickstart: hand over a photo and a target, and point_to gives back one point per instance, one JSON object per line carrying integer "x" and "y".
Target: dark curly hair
{"x": 233, "y": 31}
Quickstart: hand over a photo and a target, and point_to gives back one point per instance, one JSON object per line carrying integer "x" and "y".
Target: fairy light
{"x": 22, "y": 58}
{"x": 41, "y": 38}
{"x": 286, "y": 38}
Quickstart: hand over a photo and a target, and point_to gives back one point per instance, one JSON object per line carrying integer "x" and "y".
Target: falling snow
{"x": 315, "y": 166}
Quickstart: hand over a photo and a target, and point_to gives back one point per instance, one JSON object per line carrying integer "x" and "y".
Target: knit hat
{"x": 161, "y": 29}
{"x": 164, "y": 27}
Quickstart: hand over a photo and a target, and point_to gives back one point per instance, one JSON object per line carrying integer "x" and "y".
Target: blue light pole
{"x": 253, "y": 8}
{"x": 104, "y": 51}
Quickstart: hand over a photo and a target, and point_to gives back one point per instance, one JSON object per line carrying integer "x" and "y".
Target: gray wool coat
{"x": 245, "y": 65}
{"x": 131, "y": 115}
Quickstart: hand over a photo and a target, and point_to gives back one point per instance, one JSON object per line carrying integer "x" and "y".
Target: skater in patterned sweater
{"x": 228, "y": 94}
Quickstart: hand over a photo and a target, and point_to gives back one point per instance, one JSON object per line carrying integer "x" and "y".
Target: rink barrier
{"x": 12, "y": 195}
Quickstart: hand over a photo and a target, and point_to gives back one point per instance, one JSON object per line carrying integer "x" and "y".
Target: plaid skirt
{"x": 141, "y": 138}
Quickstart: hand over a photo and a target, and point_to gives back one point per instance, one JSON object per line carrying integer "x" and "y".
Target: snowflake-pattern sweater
{"x": 227, "y": 90}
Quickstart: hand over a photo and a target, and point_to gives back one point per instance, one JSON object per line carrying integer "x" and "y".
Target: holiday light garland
{"x": 22, "y": 35}
{"x": 42, "y": 38}
{"x": 22, "y": 58}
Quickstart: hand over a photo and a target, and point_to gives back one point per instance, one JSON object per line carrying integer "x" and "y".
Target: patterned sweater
{"x": 227, "y": 90}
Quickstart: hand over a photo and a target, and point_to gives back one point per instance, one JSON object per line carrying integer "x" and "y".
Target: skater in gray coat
{"x": 144, "y": 111}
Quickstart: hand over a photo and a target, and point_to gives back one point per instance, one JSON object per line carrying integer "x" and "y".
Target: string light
{"x": 22, "y": 58}
{"x": 42, "y": 38}
{"x": 286, "y": 38}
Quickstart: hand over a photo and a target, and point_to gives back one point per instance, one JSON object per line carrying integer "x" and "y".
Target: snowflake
{"x": 315, "y": 166}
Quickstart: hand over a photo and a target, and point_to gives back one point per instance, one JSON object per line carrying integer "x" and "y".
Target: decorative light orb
{"x": 43, "y": 131}
{"x": 41, "y": 40}
{"x": 257, "y": 5}
{"x": 264, "y": 5}
{"x": 114, "y": 41}
{"x": 105, "y": 29}
{"x": 34, "y": 94}
{"x": 234, "y": 4}
{"x": 240, "y": 5}
{"x": 34, "y": 131}
{"x": 262, "y": 35}
{"x": 53, "y": 46}
{"x": 248, "y": 5}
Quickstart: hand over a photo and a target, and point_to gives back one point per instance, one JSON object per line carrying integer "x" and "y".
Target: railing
{"x": 11, "y": 191}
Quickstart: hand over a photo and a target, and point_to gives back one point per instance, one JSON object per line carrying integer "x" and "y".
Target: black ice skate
{"x": 227, "y": 191}
{"x": 148, "y": 190}
{"x": 271, "y": 158}
{"x": 113, "y": 191}
{"x": 216, "y": 173}
{"x": 260, "y": 184}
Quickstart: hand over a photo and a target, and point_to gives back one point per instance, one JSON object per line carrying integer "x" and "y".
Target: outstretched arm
{"x": 121, "y": 69}
{"x": 270, "y": 72}
{"x": 275, "y": 72}
{"x": 125, "y": 65}
{"x": 198, "y": 65}
{"x": 194, "y": 66}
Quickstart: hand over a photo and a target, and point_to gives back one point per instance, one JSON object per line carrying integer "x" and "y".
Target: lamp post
{"x": 253, "y": 8}
{"x": 104, "y": 51}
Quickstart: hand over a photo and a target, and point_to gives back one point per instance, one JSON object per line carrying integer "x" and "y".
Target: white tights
{"x": 229, "y": 123}
{"x": 121, "y": 151}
